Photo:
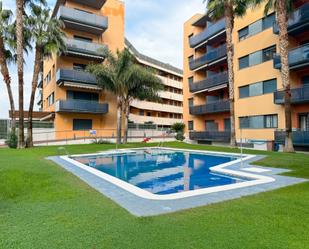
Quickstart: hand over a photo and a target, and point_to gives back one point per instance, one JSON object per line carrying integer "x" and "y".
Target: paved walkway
{"x": 144, "y": 207}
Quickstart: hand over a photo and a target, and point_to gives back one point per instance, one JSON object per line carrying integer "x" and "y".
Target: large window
{"x": 257, "y": 27}
{"x": 257, "y": 57}
{"x": 87, "y": 96}
{"x": 259, "y": 88}
{"x": 259, "y": 122}
{"x": 51, "y": 99}
{"x": 82, "y": 124}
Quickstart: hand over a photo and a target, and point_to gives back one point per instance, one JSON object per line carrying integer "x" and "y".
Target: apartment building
{"x": 259, "y": 110}
{"x": 170, "y": 110}
{"x": 70, "y": 95}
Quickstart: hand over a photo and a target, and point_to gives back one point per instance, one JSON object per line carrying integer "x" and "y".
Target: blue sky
{"x": 154, "y": 27}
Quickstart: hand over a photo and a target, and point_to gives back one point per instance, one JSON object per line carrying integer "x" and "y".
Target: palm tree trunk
{"x": 126, "y": 124}
{"x": 7, "y": 79}
{"x": 119, "y": 119}
{"x": 282, "y": 17}
{"x": 36, "y": 71}
{"x": 229, "y": 19}
{"x": 20, "y": 69}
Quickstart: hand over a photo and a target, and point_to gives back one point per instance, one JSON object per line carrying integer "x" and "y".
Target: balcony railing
{"x": 85, "y": 49}
{"x": 298, "y": 96}
{"x": 209, "y": 32}
{"x": 298, "y": 58}
{"x": 209, "y": 57}
{"x": 215, "y": 107}
{"x": 82, "y": 21}
{"x": 298, "y": 22}
{"x": 81, "y": 106}
{"x": 97, "y": 4}
{"x": 211, "y": 136}
{"x": 75, "y": 76}
{"x": 300, "y": 138}
{"x": 209, "y": 82}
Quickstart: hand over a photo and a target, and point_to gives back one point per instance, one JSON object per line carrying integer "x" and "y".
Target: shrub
{"x": 178, "y": 127}
{"x": 101, "y": 141}
{"x": 179, "y": 136}
{"x": 12, "y": 140}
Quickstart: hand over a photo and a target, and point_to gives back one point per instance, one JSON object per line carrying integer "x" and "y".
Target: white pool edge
{"x": 220, "y": 169}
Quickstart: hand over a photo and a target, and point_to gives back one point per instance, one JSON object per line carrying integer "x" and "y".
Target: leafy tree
{"x": 229, "y": 9}
{"x": 48, "y": 38}
{"x": 283, "y": 9}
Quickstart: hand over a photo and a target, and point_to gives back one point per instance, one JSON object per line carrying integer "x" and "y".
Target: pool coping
{"x": 140, "y": 202}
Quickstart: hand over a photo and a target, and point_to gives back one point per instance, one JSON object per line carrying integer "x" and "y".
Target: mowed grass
{"x": 44, "y": 206}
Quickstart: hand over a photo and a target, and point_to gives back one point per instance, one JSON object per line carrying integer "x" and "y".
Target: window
{"x": 227, "y": 124}
{"x": 259, "y": 88}
{"x": 190, "y": 125}
{"x": 190, "y": 58}
{"x": 82, "y": 124}
{"x": 257, "y": 57}
{"x": 304, "y": 122}
{"x": 190, "y": 80}
{"x": 305, "y": 80}
{"x": 51, "y": 99}
{"x": 191, "y": 102}
{"x": 211, "y": 125}
{"x": 48, "y": 77}
{"x": 259, "y": 122}
{"x": 87, "y": 96}
{"x": 79, "y": 67}
{"x": 82, "y": 38}
{"x": 142, "y": 113}
{"x": 256, "y": 27}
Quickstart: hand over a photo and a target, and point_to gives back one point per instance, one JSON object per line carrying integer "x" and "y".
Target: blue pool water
{"x": 162, "y": 171}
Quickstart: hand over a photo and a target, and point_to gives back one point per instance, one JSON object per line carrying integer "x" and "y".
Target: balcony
{"x": 81, "y": 106}
{"x": 214, "y": 30}
{"x": 298, "y": 58}
{"x": 215, "y": 107}
{"x": 300, "y": 138}
{"x": 75, "y": 78}
{"x": 85, "y": 49}
{"x": 211, "y": 136}
{"x": 298, "y": 22}
{"x": 137, "y": 119}
{"x": 82, "y": 21}
{"x": 299, "y": 96}
{"x": 96, "y": 4}
{"x": 210, "y": 82}
{"x": 208, "y": 59}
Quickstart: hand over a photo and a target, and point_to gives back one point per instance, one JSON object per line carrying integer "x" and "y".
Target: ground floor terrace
{"x": 44, "y": 206}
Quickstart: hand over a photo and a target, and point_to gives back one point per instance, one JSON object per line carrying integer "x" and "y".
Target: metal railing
{"x": 300, "y": 138}
{"x": 298, "y": 96}
{"x": 97, "y": 4}
{"x": 298, "y": 57}
{"x": 210, "y": 56}
{"x": 210, "y": 31}
{"x": 78, "y": 16}
{"x": 215, "y": 107}
{"x": 75, "y": 76}
{"x": 81, "y": 106}
{"x": 298, "y": 21}
{"x": 209, "y": 82}
{"x": 85, "y": 48}
{"x": 212, "y": 136}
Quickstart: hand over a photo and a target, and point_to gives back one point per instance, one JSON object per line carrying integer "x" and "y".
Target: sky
{"x": 154, "y": 27}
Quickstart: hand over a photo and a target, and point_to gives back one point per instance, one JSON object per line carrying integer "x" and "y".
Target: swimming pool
{"x": 163, "y": 172}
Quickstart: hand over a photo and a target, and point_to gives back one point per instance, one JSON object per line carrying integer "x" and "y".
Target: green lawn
{"x": 43, "y": 206}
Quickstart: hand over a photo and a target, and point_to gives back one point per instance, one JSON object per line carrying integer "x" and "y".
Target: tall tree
{"x": 20, "y": 14}
{"x": 5, "y": 57}
{"x": 142, "y": 84}
{"x": 48, "y": 38}
{"x": 120, "y": 76}
{"x": 229, "y": 9}
{"x": 283, "y": 9}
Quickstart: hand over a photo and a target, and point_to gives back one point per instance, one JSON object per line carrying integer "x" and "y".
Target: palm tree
{"x": 229, "y": 9}
{"x": 143, "y": 84}
{"x": 20, "y": 14}
{"x": 283, "y": 10}
{"x": 5, "y": 57}
{"x": 48, "y": 39}
{"x": 120, "y": 76}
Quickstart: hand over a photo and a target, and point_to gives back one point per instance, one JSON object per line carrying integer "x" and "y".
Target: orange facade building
{"x": 259, "y": 110}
